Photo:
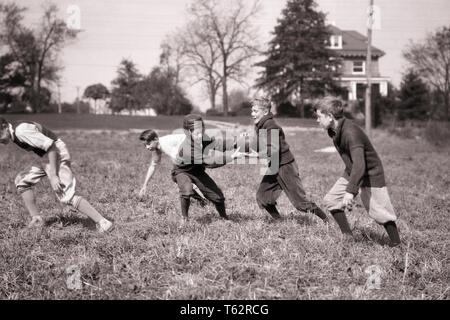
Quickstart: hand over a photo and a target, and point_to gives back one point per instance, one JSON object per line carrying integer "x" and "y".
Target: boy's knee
{"x": 20, "y": 183}
{"x": 330, "y": 203}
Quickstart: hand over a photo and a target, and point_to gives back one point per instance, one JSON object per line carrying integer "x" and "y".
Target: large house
{"x": 351, "y": 46}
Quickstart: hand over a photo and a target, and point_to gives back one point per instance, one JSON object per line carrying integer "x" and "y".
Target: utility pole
{"x": 78, "y": 99}
{"x": 368, "y": 109}
{"x": 59, "y": 99}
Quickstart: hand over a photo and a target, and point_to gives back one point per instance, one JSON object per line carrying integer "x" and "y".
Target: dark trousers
{"x": 288, "y": 180}
{"x": 203, "y": 181}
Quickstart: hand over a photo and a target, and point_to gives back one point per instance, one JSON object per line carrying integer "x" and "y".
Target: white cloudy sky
{"x": 134, "y": 29}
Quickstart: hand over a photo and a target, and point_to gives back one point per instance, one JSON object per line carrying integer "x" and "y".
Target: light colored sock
{"x": 86, "y": 208}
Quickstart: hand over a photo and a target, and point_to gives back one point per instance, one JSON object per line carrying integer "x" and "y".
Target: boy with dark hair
{"x": 192, "y": 158}
{"x": 32, "y": 136}
{"x": 168, "y": 144}
{"x": 282, "y": 174}
{"x": 363, "y": 170}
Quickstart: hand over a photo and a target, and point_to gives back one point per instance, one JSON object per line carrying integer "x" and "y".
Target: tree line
{"x": 218, "y": 48}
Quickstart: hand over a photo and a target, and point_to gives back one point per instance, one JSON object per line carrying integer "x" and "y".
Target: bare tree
{"x": 172, "y": 59}
{"x": 35, "y": 50}
{"x": 201, "y": 59}
{"x": 431, "y": 60}
{"x": 224, "y": 32}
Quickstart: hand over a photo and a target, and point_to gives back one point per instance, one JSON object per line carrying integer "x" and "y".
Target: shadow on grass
{"x": 305, "y": 219}
{"x": 70, "y": 220}
{"x": 372, "y": 236}
{"x": 210, "y": 218}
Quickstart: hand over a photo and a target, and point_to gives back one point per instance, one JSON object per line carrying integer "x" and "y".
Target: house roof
{"x": 354, "y": 44}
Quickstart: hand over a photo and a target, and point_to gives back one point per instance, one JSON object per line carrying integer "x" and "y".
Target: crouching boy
{"x": 363, "y": 170}
{"x": 32, "y": 136}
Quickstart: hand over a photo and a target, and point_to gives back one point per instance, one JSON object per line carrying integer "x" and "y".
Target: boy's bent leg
{"x": 379, "y": 207}
{"x": 291, "y": 184}
{"x": 184, "y": 183}
{"x": 333, "y": 203}
{"x": 211, "y": 191}
{"x": 24, "y": 182}
{"x": 341, "y": 220}
{"x": 268, "y": 192}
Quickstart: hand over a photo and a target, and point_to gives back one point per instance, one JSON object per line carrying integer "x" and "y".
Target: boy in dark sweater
{"x": 32, "y": 136}
{"x": 191, "y": 160}
{"x": 363, "y": 170}
{"x": 282, "y": 174}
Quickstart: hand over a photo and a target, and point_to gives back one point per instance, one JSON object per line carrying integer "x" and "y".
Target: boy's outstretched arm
{"x": 219, "y": 159}
{"x": 53, "y": 172}
{"x": 149, "y": 175}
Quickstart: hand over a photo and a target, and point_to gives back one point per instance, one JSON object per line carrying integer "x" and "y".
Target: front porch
{"x": 356, "y": 86}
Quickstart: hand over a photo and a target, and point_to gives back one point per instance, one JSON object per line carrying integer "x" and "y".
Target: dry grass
{"x": 149, "y": 256}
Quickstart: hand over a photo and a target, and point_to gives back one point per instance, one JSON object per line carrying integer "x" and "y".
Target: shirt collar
{"x": 339, "y": 129}
{"x": 264, "y": 119}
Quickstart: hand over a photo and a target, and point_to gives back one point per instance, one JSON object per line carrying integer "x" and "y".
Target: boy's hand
{"x": 252, "y": 154}
{"x": 347, "y": 202}
{"x": 56, "y": 184}
{"x": 237, "y": 154}
{"x": 142, "y": 192}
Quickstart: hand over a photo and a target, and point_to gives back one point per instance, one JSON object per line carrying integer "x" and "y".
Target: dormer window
{"x": 359, "y": 67}
{"x": 336, "y": 42}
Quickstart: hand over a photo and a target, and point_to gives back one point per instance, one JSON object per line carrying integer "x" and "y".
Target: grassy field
{"x": 149, "y": 256}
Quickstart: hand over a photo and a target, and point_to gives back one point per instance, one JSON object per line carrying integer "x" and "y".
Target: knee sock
{"x": 318, "y": 212}
{"x": 86, "y": 208}
{"x": 272, "y": 210}
{"x": 185, "y": 203}
{"x": 220, "y": 207}
{"x": 391, "y": 229}
{"x": 341, "y": 220}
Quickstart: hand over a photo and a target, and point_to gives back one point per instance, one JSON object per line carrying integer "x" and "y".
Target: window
{"x": 359, "y": 67}
{"x": 336, "y": 42}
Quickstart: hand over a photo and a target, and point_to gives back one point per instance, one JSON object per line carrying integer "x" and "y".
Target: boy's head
{"x": 194, "y": 126}
{"x": 260, "y": 107}
{"x": 5, "y": 135}
{"x": 329, "y": 109}
{"x": 149, "y": 138}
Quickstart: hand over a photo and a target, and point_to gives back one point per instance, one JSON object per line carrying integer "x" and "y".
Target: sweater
{"x": 363, "y": 167}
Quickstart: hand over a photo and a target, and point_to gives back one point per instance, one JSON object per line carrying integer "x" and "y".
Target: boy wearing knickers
{"x": 282, "y": 174}
{"x": 168, "y": 144}
{"x": 191, "y": 160}
{"x": 363, "y": 171}
{"x": 32, "y": 136}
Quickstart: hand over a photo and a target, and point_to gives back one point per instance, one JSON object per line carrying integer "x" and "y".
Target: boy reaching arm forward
{"x": 190, "y": 155}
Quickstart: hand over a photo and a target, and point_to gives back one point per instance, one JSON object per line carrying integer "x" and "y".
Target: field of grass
{"x": 149, "y": 256}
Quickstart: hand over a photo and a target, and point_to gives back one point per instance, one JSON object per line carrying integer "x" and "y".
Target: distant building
{"x": 102, "y": 107}
{"x": 351, "y": 46}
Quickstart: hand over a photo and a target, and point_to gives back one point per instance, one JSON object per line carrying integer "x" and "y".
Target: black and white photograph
{"x": 224, "y": 155}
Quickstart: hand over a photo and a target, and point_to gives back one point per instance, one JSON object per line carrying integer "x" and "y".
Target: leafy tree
{"x": 124, "y": 86}
{"x": 160, "y": 92}
{"x": 298, "y": 64}
{"x": 35, "y": 50}
{"x": 96, "y": 92}
{"x": 431, "y": 61}
{"x": 414, "y": 98}
{"x": 10, "y": 80}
